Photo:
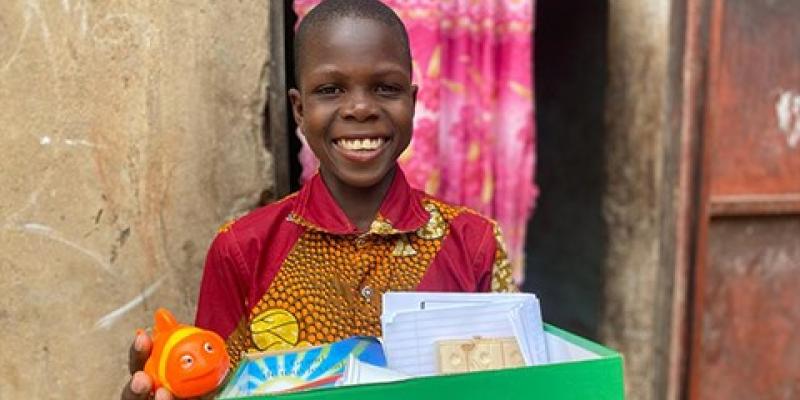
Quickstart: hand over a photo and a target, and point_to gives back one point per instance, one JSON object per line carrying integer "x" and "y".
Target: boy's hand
{"x": 138, "y": 388}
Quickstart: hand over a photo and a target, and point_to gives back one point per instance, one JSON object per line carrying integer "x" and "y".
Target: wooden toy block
{"x": 453, "y": 357}
{"x": 478, "y": 354}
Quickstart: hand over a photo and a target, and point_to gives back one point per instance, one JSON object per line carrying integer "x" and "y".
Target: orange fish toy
{"x": 186, "y": 360}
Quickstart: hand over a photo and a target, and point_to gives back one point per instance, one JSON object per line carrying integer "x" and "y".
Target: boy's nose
{"x": 359, "y": 107}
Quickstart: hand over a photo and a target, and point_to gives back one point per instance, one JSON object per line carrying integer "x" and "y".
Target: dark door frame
{"x": 277, "y": 112}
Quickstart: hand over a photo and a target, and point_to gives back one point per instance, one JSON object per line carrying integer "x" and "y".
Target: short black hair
{"x": 332, "y": 10}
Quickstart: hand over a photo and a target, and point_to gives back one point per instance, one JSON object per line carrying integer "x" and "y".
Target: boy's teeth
{"x": 360, "y": 144}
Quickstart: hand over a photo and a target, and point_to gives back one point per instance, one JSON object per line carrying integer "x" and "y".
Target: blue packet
{"x": 300, "y": 369}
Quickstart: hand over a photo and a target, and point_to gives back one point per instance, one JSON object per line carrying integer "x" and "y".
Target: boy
{"x": 311, "y": 268}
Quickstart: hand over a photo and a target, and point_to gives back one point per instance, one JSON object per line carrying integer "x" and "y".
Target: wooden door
{"x": 745, "y": 327}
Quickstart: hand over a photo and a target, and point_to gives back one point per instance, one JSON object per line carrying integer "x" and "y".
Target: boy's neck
{"x": 361, "y": 205}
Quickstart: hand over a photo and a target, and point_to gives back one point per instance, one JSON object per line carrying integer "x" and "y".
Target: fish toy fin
{"x": 165, "y": 321}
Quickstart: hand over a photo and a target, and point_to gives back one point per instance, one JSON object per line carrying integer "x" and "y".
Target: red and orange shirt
{"x": 298, "y": 272}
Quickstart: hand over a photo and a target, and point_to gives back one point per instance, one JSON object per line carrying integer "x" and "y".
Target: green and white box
{"x": 578, "y": 369}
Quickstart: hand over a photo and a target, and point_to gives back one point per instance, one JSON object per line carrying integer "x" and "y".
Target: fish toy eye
{"x": 187, "y": 361}
{"x": 207, "y": 346}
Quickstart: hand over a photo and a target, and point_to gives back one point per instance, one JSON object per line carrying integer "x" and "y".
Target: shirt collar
{"x": 401, "y": 209}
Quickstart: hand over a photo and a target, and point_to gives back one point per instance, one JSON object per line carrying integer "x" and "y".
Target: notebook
{"x": 301, "y": 368}
{"x": 413, "y": 322}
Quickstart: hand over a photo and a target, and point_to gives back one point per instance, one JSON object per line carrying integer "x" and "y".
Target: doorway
{"x": 566, "y": 239}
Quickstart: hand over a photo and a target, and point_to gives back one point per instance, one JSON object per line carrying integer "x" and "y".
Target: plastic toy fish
{"x": 186, "y": 360}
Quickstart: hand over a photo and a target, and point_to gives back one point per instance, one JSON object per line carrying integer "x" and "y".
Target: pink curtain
{"x": 473, "y": 140}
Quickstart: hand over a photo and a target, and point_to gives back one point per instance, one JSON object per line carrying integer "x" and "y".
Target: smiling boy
{"x": 311, "y": 268}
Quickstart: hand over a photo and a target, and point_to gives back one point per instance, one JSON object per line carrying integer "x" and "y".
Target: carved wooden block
{"x": 478, "y": 354}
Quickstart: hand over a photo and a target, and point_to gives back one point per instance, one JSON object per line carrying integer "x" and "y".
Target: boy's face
{"x": 355, "y": 105}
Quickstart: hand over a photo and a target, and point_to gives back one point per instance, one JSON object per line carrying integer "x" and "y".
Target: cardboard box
{"x": 580, "y": 369}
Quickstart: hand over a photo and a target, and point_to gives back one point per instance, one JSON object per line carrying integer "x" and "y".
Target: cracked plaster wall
{"x": 131, "y": 130}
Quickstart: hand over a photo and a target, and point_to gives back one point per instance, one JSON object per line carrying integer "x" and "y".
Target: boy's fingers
{"x": 138, "y": 388}
{"x": 140, "y": 350}
{"x": 163, "y": 394}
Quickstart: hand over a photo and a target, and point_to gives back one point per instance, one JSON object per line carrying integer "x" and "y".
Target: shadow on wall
{"x": 567, "y": 241}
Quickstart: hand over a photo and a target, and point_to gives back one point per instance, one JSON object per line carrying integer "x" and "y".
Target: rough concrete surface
{"x": 131, "y": 130}
{"x": 636, "y": 121}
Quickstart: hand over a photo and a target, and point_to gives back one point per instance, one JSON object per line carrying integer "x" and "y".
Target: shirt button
{"x": 366, "y": 292}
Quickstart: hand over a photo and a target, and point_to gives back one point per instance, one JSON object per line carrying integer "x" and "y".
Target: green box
{"x": 582, "y": 370}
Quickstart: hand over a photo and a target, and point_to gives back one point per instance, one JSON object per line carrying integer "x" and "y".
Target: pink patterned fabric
{"x": 473, "y": 140}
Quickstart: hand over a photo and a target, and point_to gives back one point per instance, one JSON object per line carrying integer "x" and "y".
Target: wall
{"x": 131, "y": 130}
{"x": 638, "y": 200}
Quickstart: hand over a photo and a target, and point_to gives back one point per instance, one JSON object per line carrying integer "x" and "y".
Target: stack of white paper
{"x": 414, "y": 321}
{"x": 358, "y": 372}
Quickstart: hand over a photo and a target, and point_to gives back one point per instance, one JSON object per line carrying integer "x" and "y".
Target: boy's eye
{"x": 328, "y": 90}
{"x": 385, "y": 89}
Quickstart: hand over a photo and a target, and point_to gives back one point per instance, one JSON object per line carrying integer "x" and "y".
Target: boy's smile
{"x": 361, "y": 148}
{"x": 356, "y": 101}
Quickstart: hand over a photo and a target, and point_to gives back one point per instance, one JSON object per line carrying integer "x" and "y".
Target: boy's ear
{"x": 297, "y": 106}
{"x": 414, "y": 91}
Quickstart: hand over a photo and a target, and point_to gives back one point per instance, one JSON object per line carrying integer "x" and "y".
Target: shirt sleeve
{"x": 494, "y": 263}
{"x": 222, "y": 300}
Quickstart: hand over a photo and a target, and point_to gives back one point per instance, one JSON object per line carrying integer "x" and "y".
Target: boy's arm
{"x": 223, "y": 294}
{"x": 494, "y": 264}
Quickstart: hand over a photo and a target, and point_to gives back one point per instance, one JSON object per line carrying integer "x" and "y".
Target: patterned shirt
{"x": 297, "y": 272}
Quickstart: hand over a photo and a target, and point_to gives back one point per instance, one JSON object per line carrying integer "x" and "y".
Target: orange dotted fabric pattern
{"x": 502, "y": 270}
{"x": 330, "y": 286}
